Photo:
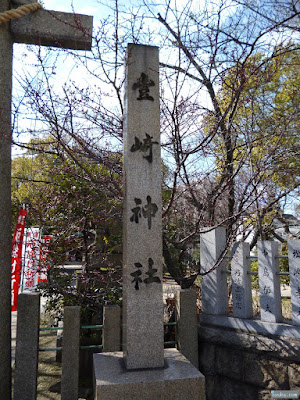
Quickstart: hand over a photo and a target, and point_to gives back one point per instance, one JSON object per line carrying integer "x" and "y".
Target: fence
{"x": 27, "y": 343}
{"x": 215, "y": 290}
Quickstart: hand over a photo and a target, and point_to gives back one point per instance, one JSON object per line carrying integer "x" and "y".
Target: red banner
{"x": 31, "y": 251}
{"x": 44, "y": 266}
{"x": 16, "y": 258}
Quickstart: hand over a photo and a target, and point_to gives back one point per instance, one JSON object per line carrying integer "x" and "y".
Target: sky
{"x": 89, "y": 7}
{"x": 24, "y": 59}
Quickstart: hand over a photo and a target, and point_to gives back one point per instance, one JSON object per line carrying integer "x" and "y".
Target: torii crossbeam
{"x": 41, "y": 27}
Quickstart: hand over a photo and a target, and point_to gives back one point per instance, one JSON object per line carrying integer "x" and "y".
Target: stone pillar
{"x": 27, "y": 344}
{"x": 294, "y": 268}
{"x": 269, "y": 281}
{"x": 5, "y": 205}
{"x": 241, "y": 281}
{"x": 70, "y": 353}
{"x": 111, "y": 333}
{"x": 186, "y": 328}
{"x": 142, "y": 239}
{"x": 213, "y": 285}
{"x": 149, "y": 372}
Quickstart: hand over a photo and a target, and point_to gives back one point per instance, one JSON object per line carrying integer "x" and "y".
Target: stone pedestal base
{"x": 179, "y": 380}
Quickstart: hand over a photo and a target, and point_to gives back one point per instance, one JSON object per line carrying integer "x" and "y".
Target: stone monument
{"x": 294, "y": 267}
{"x": 144, "y": 370}
{"x": 214, "y": 284}
{"x": 241, "y": 281}
{"x": 142, "y": 238}
{"x": 41, "y": 27}
{"x": 269, "y": 281}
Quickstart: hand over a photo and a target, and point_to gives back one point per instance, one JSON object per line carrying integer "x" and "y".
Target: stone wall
{"x": 241, "y": 364}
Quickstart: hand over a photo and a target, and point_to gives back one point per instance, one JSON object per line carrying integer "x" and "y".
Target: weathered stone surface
{"x": 207, "y": 357}
{"x": 52, "y": 28}
{"x": 229, "y": 363}
{"x": 294, "y": 375}
{"x": 252, "y": 326}
{"x": 269, "y": 281}
{"x": 266, "y": 374}
{"x": 27, "y": 343}
{"x": 285, "y": 348}
{"x": 241, "y": 281}
{"x": 211, "y": 386}
{"x": 214, "y": 284}
{"x": 142, "y": 222}
{"x": 235, "y": 362}
{"x": 187, "y": 331}
{"x": 111, "y": 339}
{"x": 294, "y": 268}
{"x": 179, "y": 380}
{"x": 222, "y": 388}
{"x": 70, "y": 353}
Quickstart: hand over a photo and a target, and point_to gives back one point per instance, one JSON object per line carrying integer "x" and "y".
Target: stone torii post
{"x": 41, "y": 27}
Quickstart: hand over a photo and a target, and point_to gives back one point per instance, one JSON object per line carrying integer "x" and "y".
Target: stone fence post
{"x": 269, "y": 281}
{"x": 70, "y": 353}
{"x": 111, "y": 334}
{"x": 186, "y": 328}
{"x": 294, "y": 268}
{"x": 241, "y": 281}
{"x": 28, "y": 325}
{"x": 214, "y": 284}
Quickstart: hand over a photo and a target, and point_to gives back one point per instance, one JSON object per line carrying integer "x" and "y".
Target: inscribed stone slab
{"x": 269, "y": 281}
{"x": 214, "y": 284}
{"x": 241, "y": 281}
{"x": 142, "y": 225}
{"x": 294, "y": 268}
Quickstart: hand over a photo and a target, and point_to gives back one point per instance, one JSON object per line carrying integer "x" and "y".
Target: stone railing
{"x": 27, "y": 340}
{"x": 215, "y": 289}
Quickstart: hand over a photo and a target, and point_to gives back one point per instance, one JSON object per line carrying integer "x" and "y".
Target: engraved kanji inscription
{"x": 266, "y": 272}
{"x": 136, "y": 276}
{"x": 237, "y": 272}
{"x": 267, "y": 290}
{"x": 265, "y": 253}
{"x": 137, "y": 211}
{"x": 144, "y": 146}
{"x": 297, "y": 272}
{"x": 148, "y": 211}
{"x": 296, "y": 253}
{"x": 151, "y": 272}
{"x": 238, "y": 281}
{"x": 143, "y": 84}
{"x": 268, "y": 308}
{"x": 137, "y": 280}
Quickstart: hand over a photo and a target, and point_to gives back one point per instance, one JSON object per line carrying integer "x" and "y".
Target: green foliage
{"x": 93, "y": 290}
{"x": 263, "y": 120}
{"x": 77, "y": 200}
